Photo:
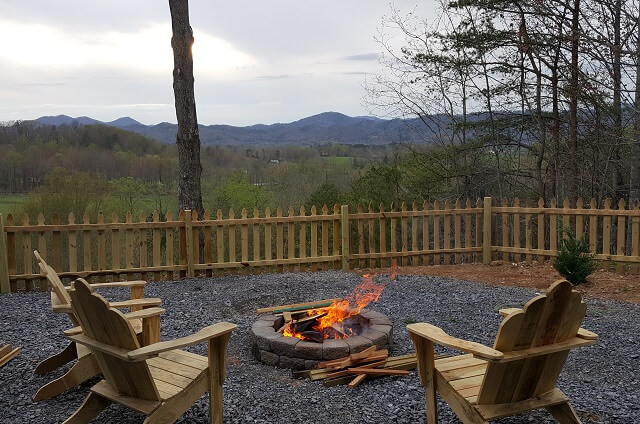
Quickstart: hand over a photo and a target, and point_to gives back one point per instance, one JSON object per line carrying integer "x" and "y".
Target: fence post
{"x": 4, "y": 267}
{"x": 345, "y": 237}
{"x": 486, "y": 232}
{"x": 188, "y": 237}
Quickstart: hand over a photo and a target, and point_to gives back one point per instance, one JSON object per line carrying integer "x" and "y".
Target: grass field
{"x": 9, "y": 203}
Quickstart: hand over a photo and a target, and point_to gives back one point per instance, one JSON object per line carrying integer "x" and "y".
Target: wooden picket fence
{"x": 331, "y": 238}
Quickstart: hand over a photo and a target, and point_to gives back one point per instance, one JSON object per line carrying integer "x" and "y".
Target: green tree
{"x": 64, "y": 191}
{"x": 237, "y": 192}
{"x": 327, "y": 194}
{"x": 128, "y": 192}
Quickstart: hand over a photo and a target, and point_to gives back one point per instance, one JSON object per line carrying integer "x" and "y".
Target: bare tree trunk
{"x": 574, "y": 184}
{"x": 188, "y": 137}
{"x": 634, "y": 194}
{"x": 618, "y": 171}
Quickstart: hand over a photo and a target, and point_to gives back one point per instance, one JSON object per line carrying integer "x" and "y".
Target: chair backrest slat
{"x": 108, "y": 325}
{"x": 547, "y": 319}
{"x": 52, "y": 278}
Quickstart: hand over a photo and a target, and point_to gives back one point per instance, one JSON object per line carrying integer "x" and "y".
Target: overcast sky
{"x": 255, "y": 61}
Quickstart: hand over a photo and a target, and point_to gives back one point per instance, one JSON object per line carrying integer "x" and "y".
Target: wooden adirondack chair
{"x": 86, "y": 365}
{"x": 519, "y": 373}
{"x": 159, "y": 380}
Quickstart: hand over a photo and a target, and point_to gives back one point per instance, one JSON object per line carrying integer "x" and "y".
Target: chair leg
{"x": 90, "y": 408}
{"x": 564, "y": 413}
{"x": 84, "y": 369}
{"x": 54, "y": 362}
{"x": 426, "y": 369}
{"x": 217, "y": 368}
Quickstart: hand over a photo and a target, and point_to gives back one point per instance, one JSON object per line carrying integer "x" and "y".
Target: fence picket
{"x": 291, "y": 238}
{"x": 436, "y": 233}
{"x": 456, "y": 233}
{"x": 620, "y": 238}
{"x": 382, "y": 248}
{"x": 392, "y": 235}
{"x": 279, "y": 237}
{"x": 102, "y": 245}
{"x": 256, "y": 236}
{"x": 267, "y": 236}
{"x": 360, "y": 229}
{"x": 635, "y": 238}
{"x": 73, "y": 250}
{"x": 414, "y": 234}
{"x": 115, "y": 243}
{"x": 467, "y": 230}
{"x": 504, "y": 217}
{"x": 86, "y": 244}
{"x": 337, "y": 236}
{"x": 302, "y": 238}
{"x": 170, "y": 259}
{"x": 541, "y": 231}
{"x": 528, "y": 236}
{"x": 593, "y": 228}
{"x": 425, "y": 232}
{"x": 606, "y": 229}
{"x": 314, "y": 234}
{"x": 579, "y": 218}
{"x": 371, "y": 236}
{"x": 516, "y": 229}
{"x": 447, "y": 231}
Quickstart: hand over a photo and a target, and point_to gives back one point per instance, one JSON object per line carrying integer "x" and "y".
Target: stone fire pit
{"x": 272, "y": 348}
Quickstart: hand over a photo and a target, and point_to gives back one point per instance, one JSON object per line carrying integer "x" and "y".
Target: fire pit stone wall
{"x": 272, "y": 348}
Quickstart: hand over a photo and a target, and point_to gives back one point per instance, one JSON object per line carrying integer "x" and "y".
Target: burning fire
{"x": 331, "y": 323}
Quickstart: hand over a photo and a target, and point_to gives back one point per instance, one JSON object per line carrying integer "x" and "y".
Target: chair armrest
{"x": 205, "y": 334}
{"x": 144, "y": 302}
{"x": 128, "y": 284}
{"x": 62, "y": 309}
{"x": 141, "y": 314}
{"x": 507, "y": 311}
{"x": 73, "y": 331}
{"x": 437, "y": 335}
{"x": 99, "y": 346}
{"x": 144, "y": 313}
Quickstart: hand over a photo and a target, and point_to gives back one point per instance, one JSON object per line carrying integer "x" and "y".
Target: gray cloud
{"x": 273, "y": 77}
{"x": 363, "y": 57}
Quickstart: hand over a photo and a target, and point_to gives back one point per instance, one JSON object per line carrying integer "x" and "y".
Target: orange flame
{"x": 366, "y": 292}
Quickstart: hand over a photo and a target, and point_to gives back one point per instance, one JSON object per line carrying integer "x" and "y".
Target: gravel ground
{"x": 601, "y": 380}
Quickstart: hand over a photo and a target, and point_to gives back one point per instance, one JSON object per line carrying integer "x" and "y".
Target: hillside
{"x": 328, "y": 127}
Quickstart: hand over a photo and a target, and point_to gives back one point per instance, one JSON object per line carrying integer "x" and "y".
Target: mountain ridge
{"x": 322, "y": 128}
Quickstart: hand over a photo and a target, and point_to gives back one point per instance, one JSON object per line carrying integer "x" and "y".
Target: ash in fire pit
{"x": 299, "y": 340}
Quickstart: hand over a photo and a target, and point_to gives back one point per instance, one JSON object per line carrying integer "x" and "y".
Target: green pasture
{"x": 10, "y": 203}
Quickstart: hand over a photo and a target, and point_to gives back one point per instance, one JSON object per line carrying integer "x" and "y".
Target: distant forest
{"x": 78, "y": 168}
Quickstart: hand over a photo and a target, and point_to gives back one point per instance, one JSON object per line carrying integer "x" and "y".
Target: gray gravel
{"x": 601, "y": 380}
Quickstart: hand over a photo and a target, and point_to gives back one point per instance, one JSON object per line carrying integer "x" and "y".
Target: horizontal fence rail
{"x": 154, "y": 247}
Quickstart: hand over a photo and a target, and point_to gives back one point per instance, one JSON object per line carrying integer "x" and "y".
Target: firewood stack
{"x": 355, "y": 368}
{"x": 7, "y": 353}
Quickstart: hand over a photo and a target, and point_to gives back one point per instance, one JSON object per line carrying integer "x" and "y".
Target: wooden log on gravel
{"x": 7, "y": 354}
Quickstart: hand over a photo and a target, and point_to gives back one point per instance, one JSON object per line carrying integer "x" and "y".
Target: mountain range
{"x": 327, "y": 127}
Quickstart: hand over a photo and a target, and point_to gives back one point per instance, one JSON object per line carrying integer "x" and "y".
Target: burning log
{"x": 312, "y": 335}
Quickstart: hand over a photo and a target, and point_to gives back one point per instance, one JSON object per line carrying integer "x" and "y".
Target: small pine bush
{"x": 574, "y": 262}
